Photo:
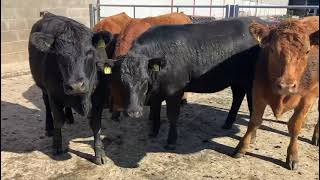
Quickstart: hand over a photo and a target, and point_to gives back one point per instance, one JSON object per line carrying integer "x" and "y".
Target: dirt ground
{"x": 203, "y": 150}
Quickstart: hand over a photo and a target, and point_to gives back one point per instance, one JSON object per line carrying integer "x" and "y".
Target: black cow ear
{"x": 101, "y": 39}
{"x": 157, "y": 64}
{"x": 41, "y": 41}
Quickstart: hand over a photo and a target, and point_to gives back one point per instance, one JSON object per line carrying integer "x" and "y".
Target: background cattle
{"x": 287, "y": 77}
{"x": 168, "y": 60}
{"x": 113, "y": 24}
{"x": 63, "y": 59}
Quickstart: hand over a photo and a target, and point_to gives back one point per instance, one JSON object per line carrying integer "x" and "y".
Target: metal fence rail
{"x": 228, "y": 10}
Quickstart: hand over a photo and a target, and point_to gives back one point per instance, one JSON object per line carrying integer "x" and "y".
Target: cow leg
{"x": 184, "y": 99}
{"x": 58, "y": 121}
{"x": 49, "y": 119}
{"x": 69, "y": 115}
{"x": 173, "y": 111}
{"x": 295, "y": 123}
{"x": 237, "y": 98}
{"x": 249, "y": 102}
{"x": 97, "y": 100}
{"x": 315, "y": 137}
{"x": 95, "y": 124}
{"x": 254, "y": 124}
{"x": 154, "y": 116}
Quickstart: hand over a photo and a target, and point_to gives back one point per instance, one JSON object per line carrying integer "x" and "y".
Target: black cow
{"x": 63, "y": 57}
{"x": 168, "y": 60}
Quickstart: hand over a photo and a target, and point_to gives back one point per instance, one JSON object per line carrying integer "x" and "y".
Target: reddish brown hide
{"x": 113, "y": 24}
{"x": 287, "y": 77}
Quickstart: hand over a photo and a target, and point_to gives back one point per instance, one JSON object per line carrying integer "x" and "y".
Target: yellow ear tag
{"x": 101, "y": 44}
{"x": 259, "y": 40}
{"x": 156, "y": 68}
{"x": 107, "y": 70}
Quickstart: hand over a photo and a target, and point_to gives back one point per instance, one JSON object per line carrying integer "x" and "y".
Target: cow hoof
{"x": 49, "y": 133}
{"x": 70, "y": 120}
{"x": 170, "y": 147}
{"x": 59, "y": 151}
{"x": 115, "y": 116}
{"x": 183, "y": 102}
{"x": 227, "y": 126}
{"x": 291, "y": 163}
{"x": 100, "y": 159}
{"x": 153, "y": 134}
{"x": 315, "y": 140}
{"x": 238, "y": 154}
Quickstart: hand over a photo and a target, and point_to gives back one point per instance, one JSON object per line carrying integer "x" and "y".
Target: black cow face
{"x": 135, "y": 75}
{"x": 76, "y": 56}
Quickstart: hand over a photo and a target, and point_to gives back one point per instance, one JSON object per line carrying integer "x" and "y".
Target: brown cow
{"x": 287, "y": 77}
{"x": 124, "y": 42}
{"x": 114, "y": 24}
{"x": 138, "y": 26}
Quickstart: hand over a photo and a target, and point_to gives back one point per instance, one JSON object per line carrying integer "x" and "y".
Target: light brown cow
{"x": 113, "y": 24}
{"x": 138, "y": 26}
{"x": 124, "y": 42}
{"x": 287, "y": 77}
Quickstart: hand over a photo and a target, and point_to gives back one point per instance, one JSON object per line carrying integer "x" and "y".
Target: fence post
{"x": 315, "y": 11}
{"x": 177, "y": 9}
{"x": 91, "y": 13}
{"x": 98, "y": 10}
{"x": 231, "y": 12}
{"x": 134, "y": 11}
{"x": 227, "y": 11}
{"x": 236, "y": 11}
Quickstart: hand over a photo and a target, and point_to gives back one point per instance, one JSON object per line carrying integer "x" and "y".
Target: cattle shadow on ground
{"x": 127, "y": 141}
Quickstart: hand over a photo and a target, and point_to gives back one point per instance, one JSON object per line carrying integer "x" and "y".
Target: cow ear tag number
{"x": 156, "y": 68}
{"x": 101, "y": 43}
{"x": 107, "y": 70}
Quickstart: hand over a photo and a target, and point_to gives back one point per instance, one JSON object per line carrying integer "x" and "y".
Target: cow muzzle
{"x": 284, "y": 88}
{"x": 134, "y": 113}
{"x": 76, "y": 88}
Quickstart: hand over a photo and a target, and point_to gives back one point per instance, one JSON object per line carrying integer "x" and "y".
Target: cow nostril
{"x": 293, "y": 85}
{"x": 280, "y": 86}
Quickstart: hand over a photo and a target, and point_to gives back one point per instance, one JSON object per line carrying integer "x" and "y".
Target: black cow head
{"x": 76, "y": 53}
{"x": 137, "y": 75}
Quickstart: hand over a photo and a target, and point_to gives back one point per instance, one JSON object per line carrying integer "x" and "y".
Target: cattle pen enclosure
{"x": 204, "y": 150}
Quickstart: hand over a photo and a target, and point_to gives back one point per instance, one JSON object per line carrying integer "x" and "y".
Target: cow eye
{"x": 308, "y": 52}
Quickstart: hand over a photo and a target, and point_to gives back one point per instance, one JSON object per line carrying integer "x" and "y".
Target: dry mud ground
{"x": 203, "y": 150}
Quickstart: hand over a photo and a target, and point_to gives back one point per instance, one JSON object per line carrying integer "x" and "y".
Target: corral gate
{"x": 228, "y": 11}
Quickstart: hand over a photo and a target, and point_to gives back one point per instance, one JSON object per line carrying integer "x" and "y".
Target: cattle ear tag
{"x": 101, "y": 43}
{"x": 259, "y": 39}
{"x": 47, "y": 44}
{"x": 156, "y": 68}
{"x": 107, "y": 70}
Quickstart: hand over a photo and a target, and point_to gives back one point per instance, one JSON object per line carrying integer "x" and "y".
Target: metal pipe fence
{"x": 226, "y": 11}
